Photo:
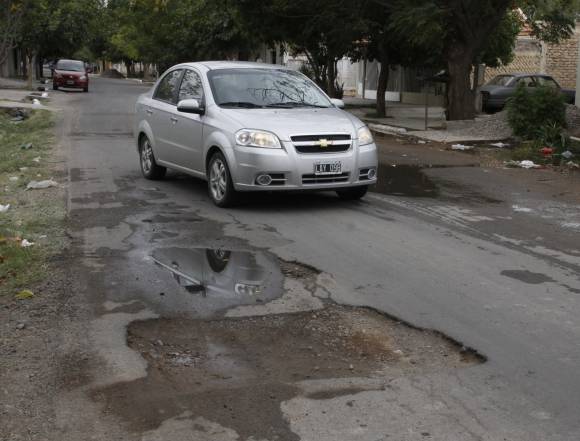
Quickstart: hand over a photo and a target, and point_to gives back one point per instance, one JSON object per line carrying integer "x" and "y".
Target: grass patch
{"x": 527, "y": 151}
{"x": 35, "y": 215}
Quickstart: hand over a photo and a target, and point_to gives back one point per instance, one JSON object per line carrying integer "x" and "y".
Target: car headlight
{"x": 83, "y": 78}
{"x": 364, "y": 136}
{"x": 257, "y": 138}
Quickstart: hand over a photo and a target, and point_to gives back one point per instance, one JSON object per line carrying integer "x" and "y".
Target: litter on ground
{"x": 26, "y": 146}
{"x": 37, "y": 159}
{"x": 4, "y": 208}
{"x": 461, "y": 147}
{"x": 24, "y": 294}
{"x": 522, "y": 164}
{"x": 26, "y": 244}
{"x": 500, "y": 145}
{"x": 36, "y": 185}
{"x": 567, "y": 154}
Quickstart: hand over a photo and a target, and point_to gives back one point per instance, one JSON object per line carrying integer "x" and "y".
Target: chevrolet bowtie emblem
{"x": 323, "y": 143}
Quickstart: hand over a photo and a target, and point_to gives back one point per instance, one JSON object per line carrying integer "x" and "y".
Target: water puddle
{"x": 202, "y": 282}
{"x": 404, "y": 181}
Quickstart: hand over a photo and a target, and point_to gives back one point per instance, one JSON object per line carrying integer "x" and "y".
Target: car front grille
{"x": 325, "y": 179}
{"x": 336, "y": 143}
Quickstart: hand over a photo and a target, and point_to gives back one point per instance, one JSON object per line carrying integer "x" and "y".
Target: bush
{"x": 539, "y": 114}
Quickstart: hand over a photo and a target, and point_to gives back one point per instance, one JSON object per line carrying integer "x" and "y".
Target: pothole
{"x": 237, "y": 371}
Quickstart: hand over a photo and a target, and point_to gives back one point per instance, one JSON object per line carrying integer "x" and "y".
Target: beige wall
{"x": 527, "y": 58}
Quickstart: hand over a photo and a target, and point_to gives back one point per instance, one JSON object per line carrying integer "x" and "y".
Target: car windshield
{"x": 500, "y": 80}
{"x": 259, "y": 88}
{"x": 74, "y": 66}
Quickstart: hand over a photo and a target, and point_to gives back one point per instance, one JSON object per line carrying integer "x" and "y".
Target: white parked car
{"x": 249, "y": 126}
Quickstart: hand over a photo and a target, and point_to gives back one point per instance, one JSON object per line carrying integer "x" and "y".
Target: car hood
{"x": 289, "y": 122}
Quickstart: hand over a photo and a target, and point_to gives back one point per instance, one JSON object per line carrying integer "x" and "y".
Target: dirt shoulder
{"x": 31, "y": 281}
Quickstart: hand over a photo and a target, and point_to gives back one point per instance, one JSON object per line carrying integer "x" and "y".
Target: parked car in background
{"x": 252, "y": 127}
{"x": 70, "y": 74}
{"x": 494, "y": 95}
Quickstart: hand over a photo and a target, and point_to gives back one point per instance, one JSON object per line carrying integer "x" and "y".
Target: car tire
{"x": 219, "y": 182}
{"x": 86, "y": 89}
{"x": 149, "y": 166}
{"x": 54, "y": 86}
{"x": 353, "y": 193}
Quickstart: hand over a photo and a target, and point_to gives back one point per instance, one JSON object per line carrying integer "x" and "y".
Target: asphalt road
{"x": 488, "y": 264}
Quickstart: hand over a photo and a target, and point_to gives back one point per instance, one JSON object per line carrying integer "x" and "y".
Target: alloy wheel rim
{"x": 218, "y": 179}
{"x": 146, "y": 157}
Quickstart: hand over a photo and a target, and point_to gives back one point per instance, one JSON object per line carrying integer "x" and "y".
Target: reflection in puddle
{"x": 219, "y": 279}
{"x": 404, "y": 181}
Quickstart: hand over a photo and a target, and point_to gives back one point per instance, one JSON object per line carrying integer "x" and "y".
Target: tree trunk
{"x": 382, "y": 87}
{"x": 29, "y": 70}
{"x": 331, "y": 77}
{"x": 460, "y": 97}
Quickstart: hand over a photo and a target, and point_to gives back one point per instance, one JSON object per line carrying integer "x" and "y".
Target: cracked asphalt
{"x": 449, "y": 316}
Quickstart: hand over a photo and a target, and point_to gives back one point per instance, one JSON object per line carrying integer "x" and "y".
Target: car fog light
{"x": 372, "y": 173}
{"x": 264, "y": 180}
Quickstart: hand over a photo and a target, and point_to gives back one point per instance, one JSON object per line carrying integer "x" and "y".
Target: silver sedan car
{"x": 248, "y": 127}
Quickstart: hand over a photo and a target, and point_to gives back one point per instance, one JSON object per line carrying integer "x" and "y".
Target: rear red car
{"x": 70, "y": 74}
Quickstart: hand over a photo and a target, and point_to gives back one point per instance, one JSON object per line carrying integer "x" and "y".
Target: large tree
{"x": 10, "y": 26}
{"x": 470, "y": 29}
{"x": 54, "y": 28}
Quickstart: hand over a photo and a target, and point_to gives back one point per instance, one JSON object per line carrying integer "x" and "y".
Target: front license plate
{"x": 328, "y": 168}
{"x": 70, "y": 82}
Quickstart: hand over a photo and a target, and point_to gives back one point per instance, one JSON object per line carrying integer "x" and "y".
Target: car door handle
{"x": 149, "y": 112}
{"x": 173, "y": 119}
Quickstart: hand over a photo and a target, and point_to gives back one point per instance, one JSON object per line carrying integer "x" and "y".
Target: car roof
{"x": 214, "y": 65}
{"x": 523, "y": 74}
{"x": 70, "y": 61}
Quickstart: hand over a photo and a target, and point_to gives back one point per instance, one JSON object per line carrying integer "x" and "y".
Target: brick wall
{"x": 561, "y": 61}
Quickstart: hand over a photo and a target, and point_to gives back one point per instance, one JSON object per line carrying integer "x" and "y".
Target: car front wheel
{"x": 352, "y": 194}
{"x": 219, "y": 182}
{"x": 149, "y": 167}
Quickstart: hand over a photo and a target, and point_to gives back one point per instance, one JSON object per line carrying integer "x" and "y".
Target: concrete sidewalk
{"x": 407, "y": 116}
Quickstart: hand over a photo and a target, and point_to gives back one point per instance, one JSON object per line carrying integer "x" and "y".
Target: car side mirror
{"x": 338, "y": 103}
{"x": 190, "y": 106}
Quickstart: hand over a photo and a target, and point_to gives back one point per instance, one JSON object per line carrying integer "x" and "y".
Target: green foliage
{"x": 499, "y": 49}
{"x": 56, "y": 28}
{"x": 539, "y": 114}
{"x": 527, "y": 151}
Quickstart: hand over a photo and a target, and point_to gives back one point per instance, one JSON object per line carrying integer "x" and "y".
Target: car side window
{"x": 546, "y": 81}
{"x": 191, "y": 87}
{"x": 167, "y": 88}
{"x": 527, "y": 81}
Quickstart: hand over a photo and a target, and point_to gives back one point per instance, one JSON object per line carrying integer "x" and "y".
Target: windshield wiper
{"x": 290, "y": 104}
{"x": 243, "y": 104}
